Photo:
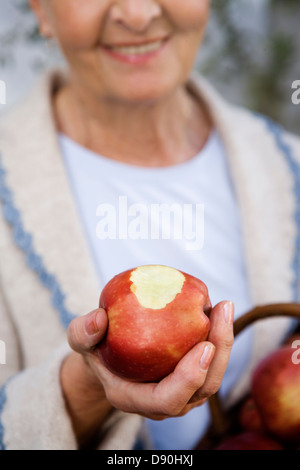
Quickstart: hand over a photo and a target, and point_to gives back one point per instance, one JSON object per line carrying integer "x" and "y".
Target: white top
{"x": 185, "y": 216}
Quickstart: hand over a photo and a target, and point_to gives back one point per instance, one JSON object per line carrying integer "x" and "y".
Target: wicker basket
{"x": 225, "y": 423}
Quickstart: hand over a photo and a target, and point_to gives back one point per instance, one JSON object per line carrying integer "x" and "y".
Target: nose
{"x": 135, "y": 15}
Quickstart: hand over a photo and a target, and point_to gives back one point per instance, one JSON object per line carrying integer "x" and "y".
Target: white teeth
{"x": 138, "y": 50}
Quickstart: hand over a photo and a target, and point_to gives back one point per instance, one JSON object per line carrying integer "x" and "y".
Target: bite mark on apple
{"x": 156, "y": 286}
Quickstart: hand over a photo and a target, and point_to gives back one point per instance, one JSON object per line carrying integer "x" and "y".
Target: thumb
{"x": 86, "y": 331}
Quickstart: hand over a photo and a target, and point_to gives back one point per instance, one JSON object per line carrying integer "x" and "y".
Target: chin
{"x": 141, "y": 89}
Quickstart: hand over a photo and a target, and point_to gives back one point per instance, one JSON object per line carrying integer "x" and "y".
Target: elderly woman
{"x": 129, "y": 121}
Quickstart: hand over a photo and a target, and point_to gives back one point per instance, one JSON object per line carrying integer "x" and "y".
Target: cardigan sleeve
{"x": 33, "y": 415}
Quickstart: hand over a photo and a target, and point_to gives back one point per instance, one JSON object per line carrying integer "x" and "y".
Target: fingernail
{"x": 90, "y": 325}
{"x": 207, "y": 356}
{"x": 228, "y": 312}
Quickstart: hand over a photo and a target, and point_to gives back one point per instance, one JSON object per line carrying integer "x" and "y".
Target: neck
{"x": 163, "y": 133}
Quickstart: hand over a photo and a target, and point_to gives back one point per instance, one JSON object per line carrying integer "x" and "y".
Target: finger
{"x": 221, "y": 335}
{"x": 174, "y": 392}
{"x": 88, "y": 330}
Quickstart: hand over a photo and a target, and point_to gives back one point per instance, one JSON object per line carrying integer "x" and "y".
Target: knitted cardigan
{"x": 47, "y": 275}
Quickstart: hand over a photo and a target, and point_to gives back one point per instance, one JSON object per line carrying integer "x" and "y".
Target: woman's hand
{"x": 96, "y": 390}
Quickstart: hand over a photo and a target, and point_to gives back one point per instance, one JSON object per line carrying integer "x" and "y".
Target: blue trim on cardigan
{"x": 279, "y": 133}
{"x": 2, "y": 403}
{"x": 34, "y": 261}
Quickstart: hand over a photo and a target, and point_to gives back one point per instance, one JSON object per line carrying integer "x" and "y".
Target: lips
{"x": 136, "y": 49}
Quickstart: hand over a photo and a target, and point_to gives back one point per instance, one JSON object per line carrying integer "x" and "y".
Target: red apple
{"x": 249, "y": 441}
{"x": 249, "y": 417}
{"x": 156, "y": 314}
{"x": 276, "y": 391}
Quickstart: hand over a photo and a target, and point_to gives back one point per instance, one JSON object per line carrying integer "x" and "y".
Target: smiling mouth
{"x": 137, "y": 49}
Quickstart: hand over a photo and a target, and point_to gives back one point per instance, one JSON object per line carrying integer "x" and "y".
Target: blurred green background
{"x": 251, "y": 53}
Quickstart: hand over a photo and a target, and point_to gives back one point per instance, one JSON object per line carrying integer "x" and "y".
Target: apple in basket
{"x": 276, "y": 391}
{"x": 156, "y": 314}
